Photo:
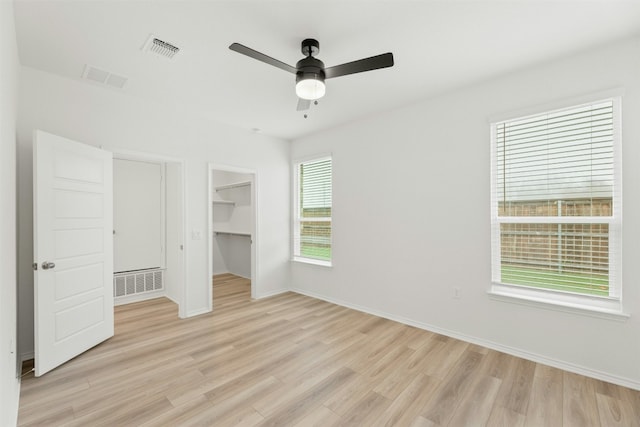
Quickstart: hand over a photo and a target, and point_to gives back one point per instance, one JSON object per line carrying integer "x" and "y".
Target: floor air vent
{"x": 137, "y": 282}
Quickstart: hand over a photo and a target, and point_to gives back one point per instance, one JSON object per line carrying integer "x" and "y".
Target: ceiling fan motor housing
{"x": 310, "y": 68}
{"x": 310, "y": 73}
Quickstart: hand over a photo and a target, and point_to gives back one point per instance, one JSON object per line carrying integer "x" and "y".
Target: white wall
{"x": 104, "y": 117}
{"x": 9, "y": 69}
{"x": 411, "y": 217}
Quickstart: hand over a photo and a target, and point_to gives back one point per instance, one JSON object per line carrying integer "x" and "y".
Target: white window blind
{"x": 556, "y": 200}
{"x": 312, "y": 228}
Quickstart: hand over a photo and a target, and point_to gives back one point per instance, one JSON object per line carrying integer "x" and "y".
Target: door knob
{"x": 48, "y": 265}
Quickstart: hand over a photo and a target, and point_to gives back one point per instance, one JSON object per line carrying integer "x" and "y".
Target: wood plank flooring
{"x": 291, "y": 360}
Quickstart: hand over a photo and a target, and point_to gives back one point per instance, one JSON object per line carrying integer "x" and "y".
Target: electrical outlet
{"x": 456, "y": 292}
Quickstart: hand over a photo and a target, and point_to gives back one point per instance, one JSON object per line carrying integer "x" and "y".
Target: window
{"x": 312, "y": 216}
{"x": 556, "y": 203}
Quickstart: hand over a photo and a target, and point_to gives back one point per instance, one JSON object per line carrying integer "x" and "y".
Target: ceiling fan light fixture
{"x": 311, "y": 88}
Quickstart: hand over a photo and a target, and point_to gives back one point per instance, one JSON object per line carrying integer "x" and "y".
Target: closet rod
{"x": 234, "y": 185}
{"x": 232, "y": 233}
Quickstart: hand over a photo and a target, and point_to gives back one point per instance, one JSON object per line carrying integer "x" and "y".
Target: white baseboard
{"x": 26, "y": 356}
{"x": 172, "y": 300}
{"x": 220, "y": 273}
{"x": 129, "y": 299}
{"x": 534, "y": 357}
{"x": 272, "y": 293}
{"x": 198, "y": 312}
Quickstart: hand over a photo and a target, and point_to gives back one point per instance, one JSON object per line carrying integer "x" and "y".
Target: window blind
{"x": 312, "y": 234}
{"x": 315, "y": 188}
{"x": 554, "y": 195}
{"x": 559, "y": 155}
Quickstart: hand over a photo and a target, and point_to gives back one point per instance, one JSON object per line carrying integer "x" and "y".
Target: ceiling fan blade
{"x": 303, "y": 104}
{"x": 367, "y": 64}
{"x": 237, "y": 47}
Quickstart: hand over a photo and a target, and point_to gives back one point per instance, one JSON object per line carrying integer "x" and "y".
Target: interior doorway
{"x": 148, "y": 229}
{"x": 74, "y": 237}
{"x": 232, "y": 224}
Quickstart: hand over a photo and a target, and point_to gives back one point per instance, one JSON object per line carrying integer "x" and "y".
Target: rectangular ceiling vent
{"x": 160, "y": 47}
{"x": 103, "y": 77}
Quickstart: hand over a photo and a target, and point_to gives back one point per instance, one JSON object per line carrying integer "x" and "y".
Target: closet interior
{"x": 231, "y": 222}
{"x": 147, "y": 230}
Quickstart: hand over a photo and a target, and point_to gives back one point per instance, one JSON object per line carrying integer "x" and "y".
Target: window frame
{"x": 602, "y": 306}
{"x": 297, "y": 219}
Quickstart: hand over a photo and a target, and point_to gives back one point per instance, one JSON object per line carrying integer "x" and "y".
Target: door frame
{"x": 254, "y": 223}
{"x": 159, "y": 158}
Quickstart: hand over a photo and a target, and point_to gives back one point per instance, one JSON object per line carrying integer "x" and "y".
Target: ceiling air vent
{"x": 103, "y": 77}
{"x": 160, "y": 47}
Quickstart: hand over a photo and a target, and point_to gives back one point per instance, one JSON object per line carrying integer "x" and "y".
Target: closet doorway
{"x": 232, "y": 225}
{"x": 148, "y": 235}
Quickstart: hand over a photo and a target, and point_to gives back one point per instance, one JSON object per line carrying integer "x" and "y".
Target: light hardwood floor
{"x": 294, "y": 360}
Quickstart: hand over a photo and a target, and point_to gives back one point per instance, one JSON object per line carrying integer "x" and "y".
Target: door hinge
{"x": 34, "y": 266}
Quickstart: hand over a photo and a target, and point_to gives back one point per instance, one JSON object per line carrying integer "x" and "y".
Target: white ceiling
{"x": 437, "y": 46}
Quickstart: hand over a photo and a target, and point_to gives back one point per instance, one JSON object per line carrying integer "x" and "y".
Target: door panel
{"x": 79, "y": 318}
{"x": 137, "y": 219}
{"x": 74, "y": 204}
{"x": 75, "y": 281}
{"x": 70, "y": 244}
{"x": 73, "y": 222}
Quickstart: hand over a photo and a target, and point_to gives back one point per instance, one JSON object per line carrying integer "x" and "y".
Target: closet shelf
{"x": 234, "y": 185}
{"x": 232, "y": 233}
{"x": 224, "y": 202}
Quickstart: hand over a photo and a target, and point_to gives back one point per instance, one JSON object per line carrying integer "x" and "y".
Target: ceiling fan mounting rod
{"x": 310, "y": 47}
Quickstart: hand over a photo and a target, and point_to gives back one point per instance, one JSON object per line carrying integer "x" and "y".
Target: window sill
{"x": 603, "y": 308}
{"x": 312, "y": 261}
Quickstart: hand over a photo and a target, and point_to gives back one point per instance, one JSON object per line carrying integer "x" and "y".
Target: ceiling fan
{"x": 311, "y": 73}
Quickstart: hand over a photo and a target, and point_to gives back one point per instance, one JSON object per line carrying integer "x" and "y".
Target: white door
{"x": 73, "y": 248}
{"x": 137, "y": 217}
